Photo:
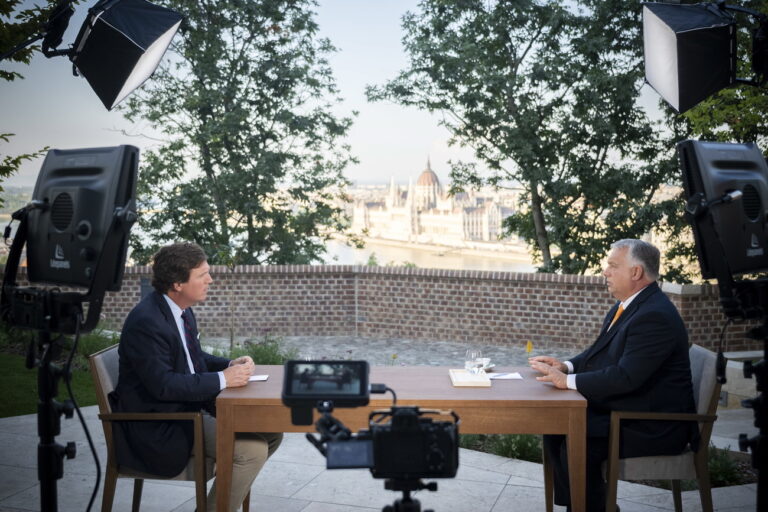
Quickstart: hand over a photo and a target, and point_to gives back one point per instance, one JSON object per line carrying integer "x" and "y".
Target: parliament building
{"x": 425, "y": 213}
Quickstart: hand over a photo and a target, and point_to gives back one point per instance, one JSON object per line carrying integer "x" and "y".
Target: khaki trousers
{"x": 251, "y": 452}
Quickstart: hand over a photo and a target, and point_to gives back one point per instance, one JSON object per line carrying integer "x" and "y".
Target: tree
{"x": 545, "y": 93}
{"x": 27, "y": 22}
{"x": 251, "y": 165}
{"x": 736, "y": 114}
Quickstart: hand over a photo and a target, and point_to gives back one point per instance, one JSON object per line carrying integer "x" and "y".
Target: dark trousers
{"x": 597, "y": 451}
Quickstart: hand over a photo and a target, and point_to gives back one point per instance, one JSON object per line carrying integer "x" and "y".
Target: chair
{"x": 104, "y": 369}
{"x": 688, "y": 465}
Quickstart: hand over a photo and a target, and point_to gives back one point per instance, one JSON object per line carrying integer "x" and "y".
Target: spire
{"x": 429, "y": 165}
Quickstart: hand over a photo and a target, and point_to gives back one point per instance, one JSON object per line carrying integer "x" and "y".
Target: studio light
{"x": 118, "y": 47}
{"x": 726, "y": 186}
{"x": 690, "y": 50}
{"x": 79, "y": 192}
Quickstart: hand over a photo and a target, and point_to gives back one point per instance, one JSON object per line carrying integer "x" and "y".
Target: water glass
{"x": 473, "y": 360}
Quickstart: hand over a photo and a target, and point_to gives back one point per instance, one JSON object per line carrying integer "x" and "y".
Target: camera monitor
{"x": 714, "y": 173}
{"x": 345, "y": 383}
{"x": 79, "y": 191}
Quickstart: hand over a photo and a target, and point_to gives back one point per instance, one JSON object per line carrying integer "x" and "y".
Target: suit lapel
{"x": 607, "y": 335}
{"x": 165, "y": 309}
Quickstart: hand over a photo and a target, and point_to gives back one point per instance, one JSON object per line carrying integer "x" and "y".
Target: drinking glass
{"x": 473, "y": 360}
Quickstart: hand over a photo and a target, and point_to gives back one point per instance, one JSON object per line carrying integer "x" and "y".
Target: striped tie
{"x": 617, "y": 315}
{"x": 193, "y": 347}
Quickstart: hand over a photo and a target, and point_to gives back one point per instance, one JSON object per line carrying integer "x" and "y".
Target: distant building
{"x": 425, "y": 213}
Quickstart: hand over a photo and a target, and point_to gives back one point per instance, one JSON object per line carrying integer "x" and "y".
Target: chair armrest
{"x": 667, "y": 416}
{"x": 149, "y": 416}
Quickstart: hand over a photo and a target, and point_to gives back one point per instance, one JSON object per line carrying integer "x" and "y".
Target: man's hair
{"x": 173, "y": 264}
{"x": 642, "y": 253}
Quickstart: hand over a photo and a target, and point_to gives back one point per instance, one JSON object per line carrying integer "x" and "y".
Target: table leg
{"x": 577, "y": 458}
{"x": 225, "y": 447}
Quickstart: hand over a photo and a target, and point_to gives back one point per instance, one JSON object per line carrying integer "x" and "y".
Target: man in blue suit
{"x": 639, "y": 362}
{"x": 164, "y": 369}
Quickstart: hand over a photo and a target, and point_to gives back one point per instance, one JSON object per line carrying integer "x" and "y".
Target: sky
{"x": 51, "y": 107}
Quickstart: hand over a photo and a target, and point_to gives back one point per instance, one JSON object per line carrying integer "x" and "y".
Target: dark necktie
{"x": 193, "y": 346}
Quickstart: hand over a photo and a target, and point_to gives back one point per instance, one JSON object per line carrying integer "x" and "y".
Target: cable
{"x": 394, "y": 396}
{"x": 721, "y": 362}
{"x": 67, "y": 380}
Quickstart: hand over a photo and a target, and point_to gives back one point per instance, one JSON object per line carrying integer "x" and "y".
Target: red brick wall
{"x": 421, "y": 304}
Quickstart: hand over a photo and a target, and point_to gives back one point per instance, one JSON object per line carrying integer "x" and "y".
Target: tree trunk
{"x": 542, "y": 239}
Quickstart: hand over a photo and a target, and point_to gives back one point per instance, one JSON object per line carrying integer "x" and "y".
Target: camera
{"x": 401, "y": 445}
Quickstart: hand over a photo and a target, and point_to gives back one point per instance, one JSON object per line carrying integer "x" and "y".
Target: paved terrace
{"x": 295, "y": 479}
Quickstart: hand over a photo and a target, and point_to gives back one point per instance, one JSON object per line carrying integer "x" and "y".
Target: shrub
{"x": 265, "y": 351}
{"x": 515, "y": 446}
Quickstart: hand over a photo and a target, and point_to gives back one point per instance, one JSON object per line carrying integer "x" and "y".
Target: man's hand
{"x": 237, "y": 374}
{"x": 242, "y": 360}
{"x": 551, "y": 361}
{"x": 551, "y": 373}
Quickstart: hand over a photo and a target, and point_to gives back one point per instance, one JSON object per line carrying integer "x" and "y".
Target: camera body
{"x": 401, "y": 443}
{"x": 412, "y": 445}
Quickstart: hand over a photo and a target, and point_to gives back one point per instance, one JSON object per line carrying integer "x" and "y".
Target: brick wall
{"x": 421, "y": 304}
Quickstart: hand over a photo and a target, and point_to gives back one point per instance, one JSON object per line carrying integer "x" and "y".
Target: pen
{"x": 498, "y": 375}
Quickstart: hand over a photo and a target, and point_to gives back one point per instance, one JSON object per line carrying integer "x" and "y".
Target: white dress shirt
{"x": 570, "y": 379}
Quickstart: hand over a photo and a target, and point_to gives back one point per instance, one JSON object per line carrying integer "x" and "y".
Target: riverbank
{"x": 397, "y": 252}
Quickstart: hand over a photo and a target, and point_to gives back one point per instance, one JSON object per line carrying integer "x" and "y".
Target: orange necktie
{"x": 617, "y": 315}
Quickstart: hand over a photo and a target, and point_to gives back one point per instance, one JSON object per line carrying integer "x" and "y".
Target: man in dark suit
{"x": 639, "y": 362}
{"x": 164, "y": 369}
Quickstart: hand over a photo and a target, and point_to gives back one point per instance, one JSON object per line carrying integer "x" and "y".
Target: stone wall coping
{"x": 686, "y": 289}
{"x": 393, "y": 271}
{"x": 533, "y": 277}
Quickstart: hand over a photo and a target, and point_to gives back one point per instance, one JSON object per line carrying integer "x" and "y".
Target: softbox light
{"x": 81, "y": 191}
{"x": 120, "y": 45}
{"x": 690, "y": 51}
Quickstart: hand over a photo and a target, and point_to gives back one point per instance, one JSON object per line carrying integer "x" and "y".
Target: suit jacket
{"x": 640, "y": 364}
{"x": 154, "y": 377}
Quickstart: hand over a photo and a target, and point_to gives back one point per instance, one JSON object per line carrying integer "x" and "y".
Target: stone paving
{"x": 385, "y": 351}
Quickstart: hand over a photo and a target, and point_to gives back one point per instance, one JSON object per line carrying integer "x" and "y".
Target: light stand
{"x": 730, "y": 234}
{"x": 51, "y": 310}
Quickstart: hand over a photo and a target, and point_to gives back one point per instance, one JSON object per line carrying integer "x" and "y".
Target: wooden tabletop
{"x": 427, "y": 386}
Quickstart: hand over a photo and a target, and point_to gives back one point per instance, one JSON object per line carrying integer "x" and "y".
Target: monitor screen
{"x": 345, "y": 383}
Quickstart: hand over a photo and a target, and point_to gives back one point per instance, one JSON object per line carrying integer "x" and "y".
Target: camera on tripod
{"x": 402, "y": 444}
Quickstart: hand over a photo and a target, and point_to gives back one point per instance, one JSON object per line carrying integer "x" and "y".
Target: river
{"x": 423, "y": 257}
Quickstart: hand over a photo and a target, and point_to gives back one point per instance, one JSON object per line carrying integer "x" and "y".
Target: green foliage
{"x": 373, "y": 261}
{"x": 16, "y": 27}
{"x": 515, "y": 446}
{"x": 90, "y": 343}
{"x": 723, "y": 469}
{"x": 265, "y": 351}
{"x": 252, "y": 161}
{"x": 736, "y": 114}
{"x": 545, "y": 94}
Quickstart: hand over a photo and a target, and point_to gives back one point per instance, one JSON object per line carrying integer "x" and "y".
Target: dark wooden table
{"x": 508, "y": 407}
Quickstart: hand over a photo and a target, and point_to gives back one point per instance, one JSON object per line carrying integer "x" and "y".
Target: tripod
{"x": 406, "y": 503}
{"x": 757, "y": 444}
{"x": 50, "y": 454}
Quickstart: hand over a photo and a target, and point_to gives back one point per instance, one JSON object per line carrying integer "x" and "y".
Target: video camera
{"x": 402, "y": 444}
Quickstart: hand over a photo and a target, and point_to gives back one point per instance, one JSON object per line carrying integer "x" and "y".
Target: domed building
{"x": 428, "y": 189}
{"x": 424, "y": 213}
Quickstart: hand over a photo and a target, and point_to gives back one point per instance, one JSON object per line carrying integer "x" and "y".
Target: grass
{"x": 19, "y": 387}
